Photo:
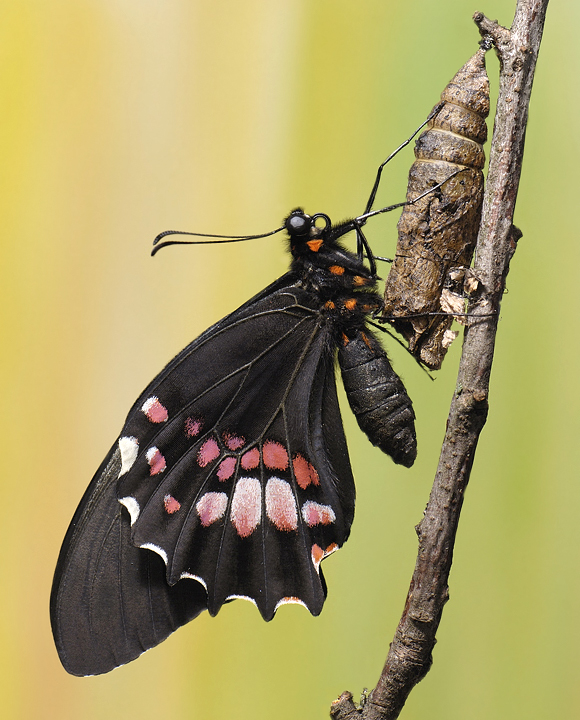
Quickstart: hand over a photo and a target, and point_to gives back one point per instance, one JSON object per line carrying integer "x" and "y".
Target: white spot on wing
{"x": 281, "y": 504}
{"x": 290, "y": 601}
{"x": 129, "y": 447}
{"x": 242, "y": 597}
{"x": 132, "y": 506}
{"x": 189, "y": 576}
{"x": 211, "y": 507}
{"x": 156, "y": 549}
{"x": 246, "y": 510}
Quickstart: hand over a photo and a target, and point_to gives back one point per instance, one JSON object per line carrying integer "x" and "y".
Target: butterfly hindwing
{"x": 231, "y": 472}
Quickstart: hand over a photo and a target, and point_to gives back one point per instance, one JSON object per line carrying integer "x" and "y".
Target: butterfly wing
{"x": 110, "y": 601}
{"x": 234, "y": 470}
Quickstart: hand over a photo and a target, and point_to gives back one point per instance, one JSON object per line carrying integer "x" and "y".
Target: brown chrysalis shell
{"x": 439, "y": 232}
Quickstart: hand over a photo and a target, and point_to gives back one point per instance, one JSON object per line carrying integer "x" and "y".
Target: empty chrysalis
{"x": 438, "y": 233}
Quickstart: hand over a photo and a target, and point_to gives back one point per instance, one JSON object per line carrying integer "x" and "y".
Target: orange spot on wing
{"x": 304, "y": 472}
{"x": 317, "y": 554}
{"x": 275, "y": 455}
{"x": 329, "y": 305}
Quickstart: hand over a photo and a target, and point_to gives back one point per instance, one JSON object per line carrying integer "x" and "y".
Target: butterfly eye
{"x": 319, "y": 227}
{"x": 298, "y": 224}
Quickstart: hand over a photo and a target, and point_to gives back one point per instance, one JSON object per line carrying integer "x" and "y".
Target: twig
{"x": 410, "y": 654}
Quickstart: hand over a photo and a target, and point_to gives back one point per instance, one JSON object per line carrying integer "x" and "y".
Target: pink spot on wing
{"x": 154, "y": 410}
{"x": 233, "y": 442}
{"x": 156, "y": 461}
{"x": 226, "y": 468}
{"x": 211, "y": 507}
{"x": 304, "y": 472}
{"x": 251, "y": 459}
{"x": 208, "y": 452}
{"x": 171, "y": 504}
{"x": 193, "y": 426}
{"x": 316, "y": 514}
{"x": 246, "y": 510}
{"x": 275, "y": 455}
{"x": 281, "y": 505}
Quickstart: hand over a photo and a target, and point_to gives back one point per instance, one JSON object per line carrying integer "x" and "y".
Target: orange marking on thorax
{"x": 329, "y": 305}
{"x": 315, "y": 245}
{"x": 359, "y": 280}
{"x": 336, "y": 269}
{"x": 350, "y": 304}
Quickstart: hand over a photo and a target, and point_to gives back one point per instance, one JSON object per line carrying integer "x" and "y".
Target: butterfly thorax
{"x": 340, "y": 279}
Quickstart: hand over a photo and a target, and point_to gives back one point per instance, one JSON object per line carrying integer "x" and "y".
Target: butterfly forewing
{"x": 110, "y": 601}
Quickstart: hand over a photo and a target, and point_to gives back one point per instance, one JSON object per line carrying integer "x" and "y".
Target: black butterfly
{"x": 231, "y": 477}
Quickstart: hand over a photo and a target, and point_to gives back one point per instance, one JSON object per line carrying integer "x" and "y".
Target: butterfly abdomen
{"x": 378, "y": 397}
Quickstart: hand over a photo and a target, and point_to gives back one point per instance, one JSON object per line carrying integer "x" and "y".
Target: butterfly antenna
{"x": 159, "y": 242}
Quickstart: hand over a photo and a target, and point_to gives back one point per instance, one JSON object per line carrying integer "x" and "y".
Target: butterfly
{"x": 231, "y": 477}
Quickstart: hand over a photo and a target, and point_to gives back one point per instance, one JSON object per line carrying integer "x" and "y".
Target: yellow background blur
{"x": 122, "y": 118}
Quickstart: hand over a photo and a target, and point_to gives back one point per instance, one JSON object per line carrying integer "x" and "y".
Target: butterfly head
{"x": 307, "y": 232}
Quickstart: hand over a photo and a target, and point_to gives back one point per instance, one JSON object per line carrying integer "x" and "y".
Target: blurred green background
{"x": 122, "y": 118}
